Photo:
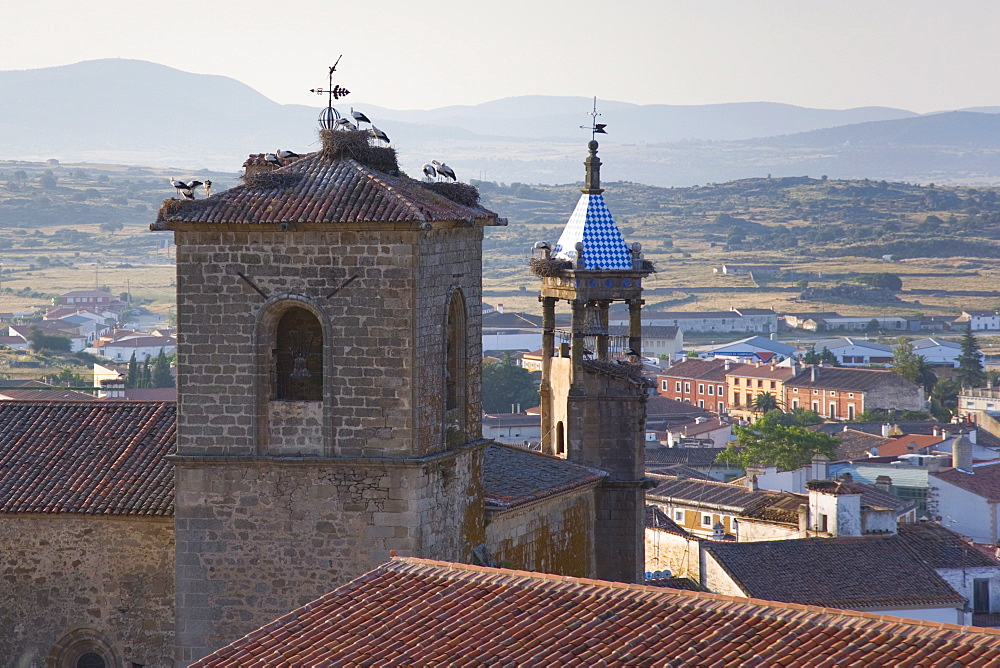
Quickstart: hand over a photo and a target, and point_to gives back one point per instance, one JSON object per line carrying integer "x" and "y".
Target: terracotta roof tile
{"x": 420, "y": 612}
{"x": 697, "y": 369}
{"x": 514, "y": 476}
{"x": 840, "y": 378}
{"x": 94, "y": 457}
{"x": 317, "y": 189}
{"x": 701, "y": 492}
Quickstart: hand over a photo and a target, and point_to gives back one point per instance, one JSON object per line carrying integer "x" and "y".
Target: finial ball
{"x": 592, "y": 144}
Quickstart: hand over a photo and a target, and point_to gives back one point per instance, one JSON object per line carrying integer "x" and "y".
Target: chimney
{"x": 961, "y": 454}
{"x": 718, "y": 531}
{"x": 911, "y": 448}
{"x": 812, "y": 374}
{"x": 112, "y": 388}
{"x": 751, "y": 479}
{"x": 820, "y": 470}
{"x": 499, "y": 308}
{"x": 728, "y": 365}
{"x": 936, "y": 431}
{"x": 884, "y": 483}
{"x": 973, "y": 435}
{"x": 803, "y": 513}
{"x": 885, "y": 430}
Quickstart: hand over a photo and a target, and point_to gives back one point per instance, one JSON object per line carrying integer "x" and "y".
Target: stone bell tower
{"x": 329, "y": 351}
{"x": 593, "y": 396}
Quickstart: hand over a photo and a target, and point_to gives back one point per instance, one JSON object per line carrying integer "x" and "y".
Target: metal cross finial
{"x": 595, "y": 127}
{"x": 333, "y": 92}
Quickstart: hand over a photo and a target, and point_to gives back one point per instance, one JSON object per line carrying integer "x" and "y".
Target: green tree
{"x": 826, "y": 356}
{"x": 911, "y": 366}
{"x": 134, "y": 375}
{"x": 768, "y": 442}
{"x": 40, "y": 342}
{"x": 161, "y": 371}
{"x": 944, "y": 398}
{"x": 506, "y": 383}
{"x": 763, "y": 402}
{"x": 881, "y": 280}
{"x": 970, "y": 362}
{"x": 146, "y": 376}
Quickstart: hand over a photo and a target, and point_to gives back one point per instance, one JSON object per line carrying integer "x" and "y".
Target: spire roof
{"x": 593, "y": 225}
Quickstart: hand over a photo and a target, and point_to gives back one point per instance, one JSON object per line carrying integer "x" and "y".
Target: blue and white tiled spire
{"x": 592, "y": 224}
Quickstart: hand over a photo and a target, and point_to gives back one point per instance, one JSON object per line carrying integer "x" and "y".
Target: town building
{"x": 752, "y": 349}
{"x": 747, "y": 382}
{"x": 700, "y": 382}
{"x": 978, "y": 321}
{"x": 856, "y": 352}
{"x": 843, "y": 394}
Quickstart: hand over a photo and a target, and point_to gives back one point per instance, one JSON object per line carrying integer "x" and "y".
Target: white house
{"x": 978, "y": 321}
{"x": 143, "y": 347}
{"x": 856, "y": 352}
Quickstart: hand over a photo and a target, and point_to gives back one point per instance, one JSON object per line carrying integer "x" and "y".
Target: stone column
{"x": 635, "y": 325}
{"x": 545, "y": 389}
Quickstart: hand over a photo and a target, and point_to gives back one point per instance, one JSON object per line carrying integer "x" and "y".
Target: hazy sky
{"x": 922, "y": 55}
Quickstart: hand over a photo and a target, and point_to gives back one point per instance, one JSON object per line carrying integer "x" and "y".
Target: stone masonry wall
{"x": 63, "y": 573}
{"x": 260, "y": 537}
{"x": 554, "y": 535}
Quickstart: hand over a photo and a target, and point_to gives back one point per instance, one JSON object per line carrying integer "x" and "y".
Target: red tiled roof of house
{"x": 851, "y": 380}
{"x": 44, "y": 395}
{"x": 697, "y": 369}
{"x": 660, "y": 406}
{"x": 901, "y": 445}
{"x": 984, "y": 480}
{"x": 514, "y": 477}
{"x": 829, "y": 572}
{"x": 93, "y": 457}
{"x": 770, "y": 371}
{"x": 418, "y": 612}
{"x": 318, "y": 189}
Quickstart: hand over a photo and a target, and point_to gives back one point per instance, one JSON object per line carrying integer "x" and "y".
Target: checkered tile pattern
{"x": 603, "y": 246}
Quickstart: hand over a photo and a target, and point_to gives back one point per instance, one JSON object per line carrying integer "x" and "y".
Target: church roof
{"x": 422, "y": 612}
{"x": 319, "y": 188}
{"x": 592, "y": 224}
{"x": 514, "y": 476}
{"x": 93, "y": 457}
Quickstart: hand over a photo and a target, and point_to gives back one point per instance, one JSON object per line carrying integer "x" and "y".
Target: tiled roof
{"x": 681, "y": 471}
{"x": 592, "y": 224}
{"x": 901, "y": 446}
{"x": 701, "y": 492}
{"x": 317, "y": 189}
{"x": 942, "y": 548}
{"x": 513, "y": 476}
{"x": 689, "y": 456}
{"x": 854, "y": 444}
{"x": 95, "y": 457}
{"x": 657, "y": 519}
{"x": 415, "y": 612}
{"x": 781, "y": 507}
{"x": 984, "y": 480}
{"x": 830, "y": 572}
{"x": 697, "y": 369}
{"x": 763, "y": 371}
{"x": 45, "y": 395}
{"x": 659, "y": 406}
{"x": 852, "y": 380}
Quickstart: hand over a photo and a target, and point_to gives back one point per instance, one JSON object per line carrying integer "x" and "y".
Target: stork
{"x": 378, "y": 134}
{"x": 185, "y": 189}
{"x": 286, "y": 155}
{"x": 272, "y": 159}
{"x": 429, "y": 170}
{"x": 208, "y": 188}
{"x": 346, "y": 124}
{"x": 444, "y": 170}
{"x": 359, "y": 117}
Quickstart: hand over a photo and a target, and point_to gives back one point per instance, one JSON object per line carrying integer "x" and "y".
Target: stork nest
{"x": 460, "y": 193}
{"x": 354, "y": 144}
{"x": 545, "y": 267}
{"x": 647, "y": 265}
{"x": 174, "y": 206}
{"x": 631, "y": 373}
{"x": 270, "y": 180}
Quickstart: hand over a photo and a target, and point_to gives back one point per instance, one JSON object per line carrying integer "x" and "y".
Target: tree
{"x": 768, "y": 442}
{"x": 133, "y": 377}
{"x": 824, "y": 357}
{"x": 944, "y": 398}
{"x": 505, "y": 383}
{"x": 161, "y": 371}
{"x": 970, "y": 362}
{"x": 881, "y": 280}
{"x": 146, "y": 376}
{"x": 911, "y": 366}
{"x": 872, "y": 326}
{"x": 40, "y": 342}
{"x": 763, "y": 402}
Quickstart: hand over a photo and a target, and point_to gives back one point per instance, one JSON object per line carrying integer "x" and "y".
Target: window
{"x": 833, "y": 411}
{"x": 816, "y": 406}
{"x": 850, "y": 411}
{"x": 736, "y": 381}
{"x": 795, "y": 404}
{"x": 722, "y": 390}
{"x": 823, "y": 521}
{"x": 815, "y": 391}
{"x": 560, "y": 439}
{"x": 795, "y": 390}
{"x": 706, "y": 520}
{"x": 701, "y": 403}
{"x": 722, "y": 407}
{"x": 760, "y": 383}
{"x": 701, "y": 388}
{"x": 687, "y": 387}
{"x": 773, "y": 385}
{"x": 663, "y": 386}
{"x": 678, "y": 515}
{"x": 711, "y": 389}
{"x": 677, "y": 387}
{"x": 850, "y": 394}
{"x": 832, "y": 393}
{"x": 298, "y": 357}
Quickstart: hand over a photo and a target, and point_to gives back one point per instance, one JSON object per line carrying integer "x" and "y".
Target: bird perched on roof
{"x": 444, "y": 170}
{"x": 273, "y": 159}
{"x": 185, "y": 189}
{"x": 345, "y": 124}
{"x": 208, "y": 188}
{"x": 286, "y": 155}
{"x": 378, "y": 134}
{"x": 429, "y": 170}
{"x": 359, "y": 117}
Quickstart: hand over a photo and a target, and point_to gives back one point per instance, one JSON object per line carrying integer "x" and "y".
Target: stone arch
{"x": 83, "y": 648}
{"x": 456, "y": 366}
{"x": 560, "y": 439}
{"x": 291, "y": 340}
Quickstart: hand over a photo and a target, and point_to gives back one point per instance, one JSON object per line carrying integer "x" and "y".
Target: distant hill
{"x": 141, "y": 113}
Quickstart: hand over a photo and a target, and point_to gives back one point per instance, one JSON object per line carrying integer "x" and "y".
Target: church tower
{"x": 329, "y": 352}
{"x": 593, "y": 395}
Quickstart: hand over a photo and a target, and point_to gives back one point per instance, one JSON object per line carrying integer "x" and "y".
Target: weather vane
{"x": 329, "y": 116}
{"x": 595, "y": 127}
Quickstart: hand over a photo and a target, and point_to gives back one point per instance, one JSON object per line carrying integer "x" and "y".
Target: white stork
{"x": 429, "y": 170}
{"x": 185, "y": 189}
{"x": 286, "y": 155}
{"x": 378, "y": 134}
{"x": 273, "y": 159}
{"x": 444, "y": 170}
{"x": 359, "y": 117}
{"x": 346, "y": 124}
